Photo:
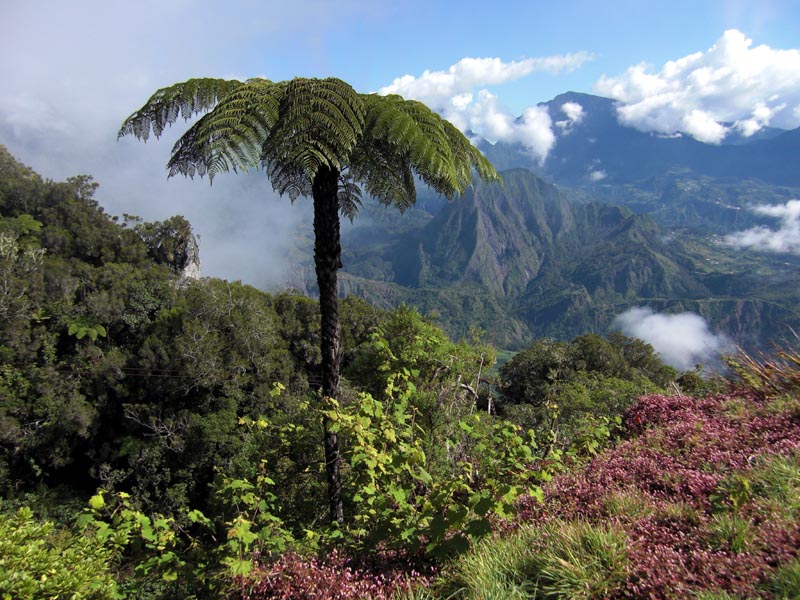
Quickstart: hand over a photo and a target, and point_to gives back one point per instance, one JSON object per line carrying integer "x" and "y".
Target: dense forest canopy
{"x": 161, "y": 433}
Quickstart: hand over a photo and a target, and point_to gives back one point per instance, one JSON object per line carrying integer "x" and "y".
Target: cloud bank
{"x": 460, "y": 94}
{"x": 681, "y": 340}
{"x": 785, "y": 239}
{"x": 733, "y": 86}
{"x": 74, "y": 71}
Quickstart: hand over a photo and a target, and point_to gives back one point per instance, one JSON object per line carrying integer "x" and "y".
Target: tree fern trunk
{"x": 327, "y": 260}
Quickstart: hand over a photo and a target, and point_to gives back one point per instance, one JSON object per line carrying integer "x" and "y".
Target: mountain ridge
{"x": 526, "y": 260}
{"x": 597, "y": 147}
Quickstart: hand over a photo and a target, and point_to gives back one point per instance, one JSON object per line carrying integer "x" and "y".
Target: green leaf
{"x": 195, "y": 516}
{"x": 537, "y": 493}
{"x": 423, "y": 476}
{"x": 437, "y": 528}
{"x": 97, "y": 502}
{"x": 83, "y": 520}
{"x": 238, "y": 567}
{"x": 478, "y": 528}
{"x": 398, "y": 494}
{"x": 482, "y": 506}
{"x": 456, "y": 514}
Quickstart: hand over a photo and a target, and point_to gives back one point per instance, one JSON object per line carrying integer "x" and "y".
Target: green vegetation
{"x": 159, "y": 438}
{"x": 575, "y": 389}
{"x": 40, "y": 561}
{"x": 558, "y": 560}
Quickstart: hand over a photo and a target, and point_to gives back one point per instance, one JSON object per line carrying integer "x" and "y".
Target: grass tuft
{"x": 767, "y": 375}
{"x": 557, "y": 560}
{"x": 785, "y": 582}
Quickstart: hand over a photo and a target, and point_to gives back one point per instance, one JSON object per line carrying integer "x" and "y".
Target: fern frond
{"x": 182, "y": 99}
{"x": 406, "y": 137}
{"x": 288, "y": 180}
{"x": 295, "y": 128}
{"x": 385, "y": 173}
{"x": 468, "y": 157}
{"x": 319, "y": 124}
{"x": 231, "y": 136}
{"x": 349, "y": 196}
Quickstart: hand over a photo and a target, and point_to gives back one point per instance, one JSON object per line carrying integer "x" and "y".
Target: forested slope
{"x": 526, "y": 260}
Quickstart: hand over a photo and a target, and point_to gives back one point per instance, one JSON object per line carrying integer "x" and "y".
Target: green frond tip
{"x": 379, "y": 144}
{"x": 181, "y": 99}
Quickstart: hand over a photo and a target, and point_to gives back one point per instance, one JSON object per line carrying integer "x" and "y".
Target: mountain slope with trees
{"x": 527, "y": 260}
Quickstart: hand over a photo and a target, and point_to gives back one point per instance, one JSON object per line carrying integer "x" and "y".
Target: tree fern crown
{"x": 377, "y": 144}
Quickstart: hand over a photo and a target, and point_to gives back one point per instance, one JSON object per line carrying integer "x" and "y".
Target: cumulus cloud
{"x": 460, "y": 94}
{"x": 681, "y": 340}
{"x": 469, "y": 73}
{"x": 732, "y": 86}
{"x": 574, "y": 113}
{"x": 784, "y": 239}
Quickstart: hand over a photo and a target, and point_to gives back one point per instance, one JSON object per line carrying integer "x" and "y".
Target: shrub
{"x": 706, "y": 489}
{"x": 39, "y": 561}
{"x": 292, "y": 576}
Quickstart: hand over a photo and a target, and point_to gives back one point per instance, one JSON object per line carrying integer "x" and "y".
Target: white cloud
{"x": 785, "y": 239}
{"x": 702, "y": 126}
{"x": 24, "y": 112}
{"x": 469, "y": 73}
{"x": 681, "y": 340}
{"x": 761, "y": 116}
{"x": 460, "y": 94}
{"x": 574, "y": 113}
{"x": 598, "y": 175}
{"x": 731, "y": 85}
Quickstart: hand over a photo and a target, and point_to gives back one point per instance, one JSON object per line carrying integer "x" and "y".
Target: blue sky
{"x": 72, "y": 71}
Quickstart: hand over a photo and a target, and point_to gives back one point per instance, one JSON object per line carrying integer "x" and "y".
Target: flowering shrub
{"x": 695, "y": 488}
{"x": 293, "y": 577}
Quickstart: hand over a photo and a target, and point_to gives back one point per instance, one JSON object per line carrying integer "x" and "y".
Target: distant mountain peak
{"x": 592, "y": 147}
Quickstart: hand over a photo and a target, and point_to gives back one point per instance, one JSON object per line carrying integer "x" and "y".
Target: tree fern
{"x": 293, "y": 128}
{"x": 318, "y": 138}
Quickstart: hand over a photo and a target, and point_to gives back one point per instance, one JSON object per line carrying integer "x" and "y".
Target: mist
{"x": 786, "y": 238}
{"x": 682, "y": 340}
{"x": 73, "y": 72}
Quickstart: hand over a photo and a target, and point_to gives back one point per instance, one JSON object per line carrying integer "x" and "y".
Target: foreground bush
{"x": 334, "y": 578}
{"x": 39, "y": 561}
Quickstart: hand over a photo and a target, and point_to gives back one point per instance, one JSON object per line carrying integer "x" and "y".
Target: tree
{"x": 533, "y": 375}
{"x": 318, "y": 138}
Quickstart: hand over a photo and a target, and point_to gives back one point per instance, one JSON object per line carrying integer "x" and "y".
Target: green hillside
{"x": 525, "y": 260}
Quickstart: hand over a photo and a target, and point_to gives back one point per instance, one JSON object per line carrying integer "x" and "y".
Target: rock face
{"x": 172, "y": 243}
{"x": 191, "y": 259}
